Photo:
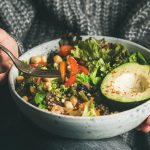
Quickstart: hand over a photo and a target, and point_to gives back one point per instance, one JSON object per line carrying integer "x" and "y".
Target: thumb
{"x": 4, "y": 69}
{"x": 3, "y": 57}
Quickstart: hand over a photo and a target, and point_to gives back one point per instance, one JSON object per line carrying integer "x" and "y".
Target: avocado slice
{"x": 128, "y": 83}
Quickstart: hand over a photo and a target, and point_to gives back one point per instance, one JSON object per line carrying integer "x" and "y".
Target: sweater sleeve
{"x": 137, "y": 25}
{"x": 16, "y": 17}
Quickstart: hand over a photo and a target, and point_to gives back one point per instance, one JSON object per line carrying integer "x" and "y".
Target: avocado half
{"x": 127, "y": 85}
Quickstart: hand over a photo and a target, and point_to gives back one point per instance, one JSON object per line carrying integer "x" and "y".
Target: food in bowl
{"x": 87, "y": 69}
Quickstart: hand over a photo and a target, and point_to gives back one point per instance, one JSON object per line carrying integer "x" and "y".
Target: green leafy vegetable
{"x": 84, "y": 96}
{"x": 40, "y": 86}
{"x": 89, "y": 109}
{"x": 101, "y": 57}
{"x": 39, "y": 97}
{"x": 141, "y": 59}
{"x": 137, "y": 57}
{"x": 82, "y": 78}
{"x": 42, "y": 106}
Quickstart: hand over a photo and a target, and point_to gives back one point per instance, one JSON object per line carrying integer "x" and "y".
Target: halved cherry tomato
{"x": 73, "y": 65}
{"x": 62, "y": 67}
{"x": 65, "y": 50}
{"x": 83, "y": 69}
{"x": 70, "y": 80}
{"x": 73, "y": 71}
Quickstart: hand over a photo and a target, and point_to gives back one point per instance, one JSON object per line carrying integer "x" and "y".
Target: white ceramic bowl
{"x": 81, "y": 127}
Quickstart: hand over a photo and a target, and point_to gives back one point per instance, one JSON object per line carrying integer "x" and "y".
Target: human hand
{"x": 145, "y": 126}
{"x": 5, "y": 62}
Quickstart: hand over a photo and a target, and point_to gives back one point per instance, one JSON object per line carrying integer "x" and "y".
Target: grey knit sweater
{"x": 36, "y": 21}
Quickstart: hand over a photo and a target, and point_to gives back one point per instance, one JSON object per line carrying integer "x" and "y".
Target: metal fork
{"x": 27, "y": 69}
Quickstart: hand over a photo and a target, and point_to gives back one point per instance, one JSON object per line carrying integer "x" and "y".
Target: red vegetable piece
{"x": 73, "y": 71}
{"x": 83, "y": 69}
{"x": 65, "y": 50}
{"x": 73, "y": 65}
{"x": 70, "y": 80}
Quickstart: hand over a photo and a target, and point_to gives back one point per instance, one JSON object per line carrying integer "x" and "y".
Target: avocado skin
{"x": 120, "y": 106}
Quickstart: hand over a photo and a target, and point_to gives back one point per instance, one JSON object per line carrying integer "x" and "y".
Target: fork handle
{"x": 13, "y": 58}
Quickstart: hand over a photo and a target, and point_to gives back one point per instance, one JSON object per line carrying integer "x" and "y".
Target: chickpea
{"x": 47, "y": 85}
{"x": 46, "y": 79}
{"x": 19, "y": 79}
{"x": 68, "y": 105}
{"x": 75, "y": 113}
{"x": 32, "y": 89}
{"x": 57, "y": 59}
{"x": 57, "y": 109}
{"x": 73, "y": 100}
{"x": 44, "y": 59}
{"x": 81, "y": 106}
{"x": 35, "y": 59}
{"x": 25, "y": 98}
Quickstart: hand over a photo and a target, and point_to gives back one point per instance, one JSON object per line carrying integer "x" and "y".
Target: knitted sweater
{"x": 36, "y": 21}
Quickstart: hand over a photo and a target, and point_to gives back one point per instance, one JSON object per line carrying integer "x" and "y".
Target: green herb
{"x": 39, "y": 97}
{"x": 89, "y": 109}
{"x": 137, "y": 57}
{"x": 40, "y": 86}
{"x": 141, "y": 59}
{"x": 82, "y": 78}
{"x": 101, "y": 57}
{"x": 84, "y": 96}
{"x": 41, "y": 106}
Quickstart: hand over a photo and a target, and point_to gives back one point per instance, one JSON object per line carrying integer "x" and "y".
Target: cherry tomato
{"x": 65, "y": 50}
{"x": 73, "y": 71}
{"x": 70, "y": 80}
{"x": 83, "y": 69}
{"x": 73, "y": 65}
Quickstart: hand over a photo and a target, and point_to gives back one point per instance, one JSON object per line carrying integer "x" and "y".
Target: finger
{"x": 3, "y": 77}
{"x": 148, "y": 121}
{"x": 145, "y": 129}
{"x": 3, "y": 35}
{"x": 3, "y": 57}
{"x": 4, "y": 69}
{"x": 7, "y": 41}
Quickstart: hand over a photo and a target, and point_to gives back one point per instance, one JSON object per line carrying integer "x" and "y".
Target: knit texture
{"x": 34, "y": 22}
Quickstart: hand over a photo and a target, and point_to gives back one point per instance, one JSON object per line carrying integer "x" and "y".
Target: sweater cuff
{"x": 21, "y": 49}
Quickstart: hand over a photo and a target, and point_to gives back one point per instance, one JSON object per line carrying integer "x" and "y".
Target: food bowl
{"x": 81, "y": 127}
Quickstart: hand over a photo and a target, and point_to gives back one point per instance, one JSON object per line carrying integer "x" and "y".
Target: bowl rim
{"x": 12, "y": 84}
